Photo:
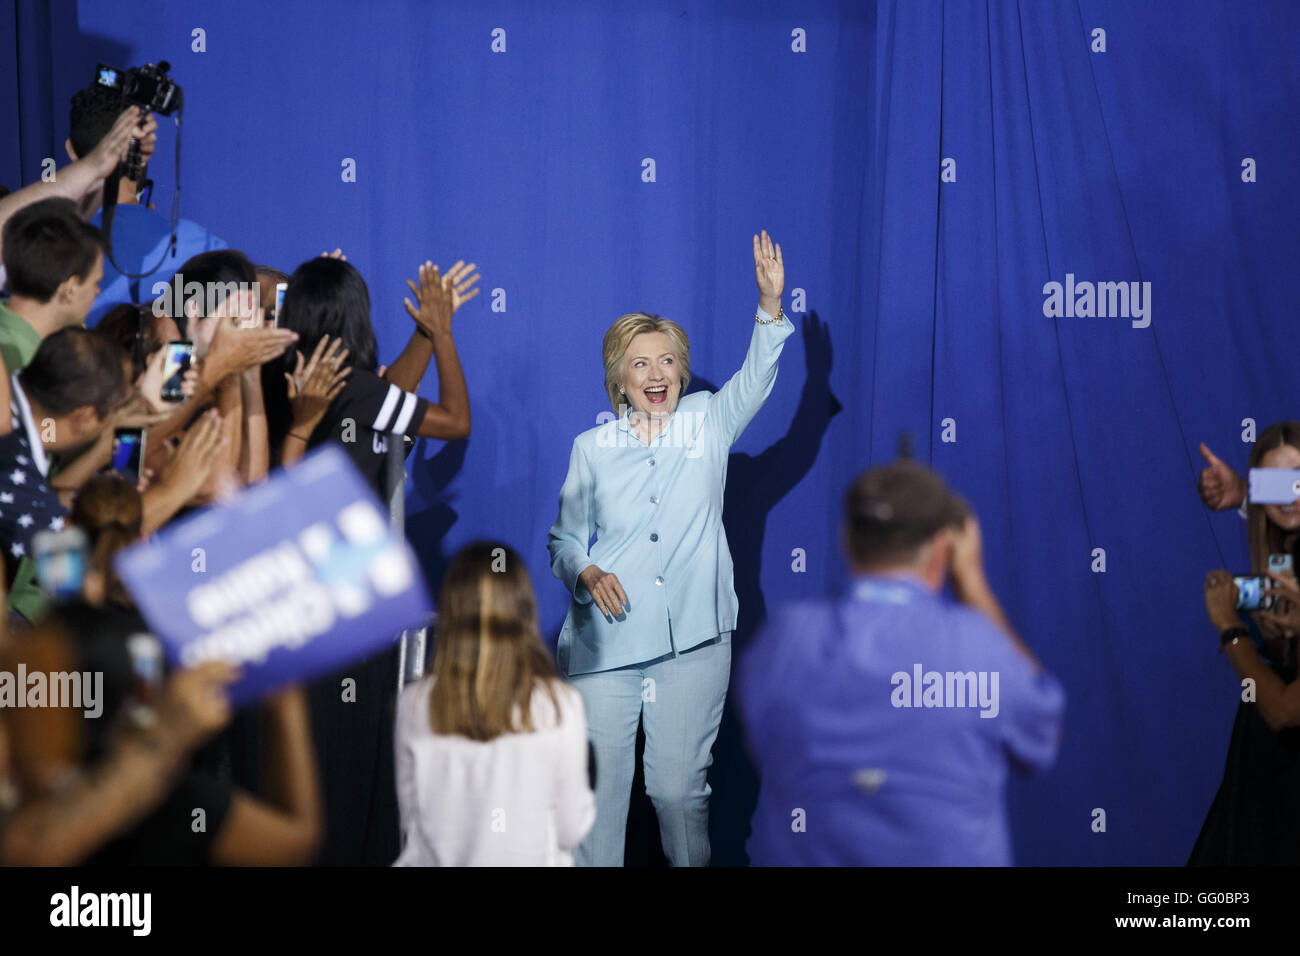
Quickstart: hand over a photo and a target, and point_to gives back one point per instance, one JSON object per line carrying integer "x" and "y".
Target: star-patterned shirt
{"x": 27, "y": 505}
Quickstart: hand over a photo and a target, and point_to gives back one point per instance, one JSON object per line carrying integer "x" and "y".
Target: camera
{"x": 148, "y": 87}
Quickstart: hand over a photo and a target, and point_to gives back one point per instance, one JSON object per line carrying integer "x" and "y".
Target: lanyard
{"x": 887, "y": 592}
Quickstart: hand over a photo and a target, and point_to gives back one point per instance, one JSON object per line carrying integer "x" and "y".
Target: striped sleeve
{"x": 382, "y": 406}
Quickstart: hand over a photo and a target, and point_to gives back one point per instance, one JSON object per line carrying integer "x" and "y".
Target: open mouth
{"x": 657, "y": 395}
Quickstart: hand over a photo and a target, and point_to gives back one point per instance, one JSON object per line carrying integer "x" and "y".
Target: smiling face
{"x": 651, "y": 378}
{"x": 1286, "y": 517}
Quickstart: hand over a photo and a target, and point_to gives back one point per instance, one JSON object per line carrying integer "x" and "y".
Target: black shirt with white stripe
{"x": 364, "y": 415}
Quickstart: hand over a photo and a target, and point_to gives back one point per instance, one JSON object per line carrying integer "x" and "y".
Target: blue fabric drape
{"x": 920, "y": 300}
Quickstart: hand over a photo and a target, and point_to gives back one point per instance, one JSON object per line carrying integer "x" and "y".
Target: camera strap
{"x": 111, "y": 186}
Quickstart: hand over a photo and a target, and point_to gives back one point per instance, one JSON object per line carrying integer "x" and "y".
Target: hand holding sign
{"x": 294, "y": 578}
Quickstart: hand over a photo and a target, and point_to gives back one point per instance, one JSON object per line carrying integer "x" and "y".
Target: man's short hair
{"x": 94, "y": 111}
{"x": 74, "y": 368}
{"x": 891, "y": 511}
{"x": 45, "y": 244}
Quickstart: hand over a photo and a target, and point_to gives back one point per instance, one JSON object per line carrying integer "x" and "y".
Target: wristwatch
{"x": 1232, "y": 635}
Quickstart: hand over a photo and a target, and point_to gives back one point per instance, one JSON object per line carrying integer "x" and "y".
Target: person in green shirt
{"x": 53, "y": 264}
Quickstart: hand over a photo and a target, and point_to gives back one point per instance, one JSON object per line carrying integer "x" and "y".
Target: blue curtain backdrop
{"x": 921, "y": 300}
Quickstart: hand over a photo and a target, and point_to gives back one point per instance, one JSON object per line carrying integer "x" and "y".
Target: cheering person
{"x": 648, "y": 633}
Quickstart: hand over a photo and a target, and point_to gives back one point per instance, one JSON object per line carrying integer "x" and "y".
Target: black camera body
{"x": 148, "y": 87}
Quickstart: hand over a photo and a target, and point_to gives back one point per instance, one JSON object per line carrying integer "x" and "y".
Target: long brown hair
{"x": 1265, "y": 537}
{"x": 109, "y": 509}
{"x": 489, "y": 655}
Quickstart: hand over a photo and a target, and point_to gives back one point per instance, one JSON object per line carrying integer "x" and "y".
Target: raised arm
{"x": 738, "y": 401}
{"x": 78, "y": 181}
{"x": 1277, "y": 700}
{"x": 408, "y": 370}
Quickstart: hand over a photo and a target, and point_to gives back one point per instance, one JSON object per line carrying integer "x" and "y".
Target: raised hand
{"x": 439, "y": 296}
{"x": 313, "y": 386}
{"x": 148, "y": 137}
{"x": 1220, "y": 487}
{"x": 462, "y": 277}
{"x": 195, "y": 703}
{"x": 199, "y": 454}
{"x": 236, "y": 350}
{"x": 111, "y": 150}
{"x": 149, "y": 384}
{"x": 769, "y": 270}
{"x": 1221, "y": 600}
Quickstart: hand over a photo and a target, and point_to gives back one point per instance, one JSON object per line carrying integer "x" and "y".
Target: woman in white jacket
{"x": 492, "y": 754}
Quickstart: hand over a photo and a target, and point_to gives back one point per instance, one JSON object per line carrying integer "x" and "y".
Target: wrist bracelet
{"x": 1232, "y": 635}
{"x": 780, "y": 314}
{"x": 305, "y": 441}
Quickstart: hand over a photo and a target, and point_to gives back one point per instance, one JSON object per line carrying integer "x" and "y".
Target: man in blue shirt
{"x": 883, "y": 724}
{"x": 140, "y": 237}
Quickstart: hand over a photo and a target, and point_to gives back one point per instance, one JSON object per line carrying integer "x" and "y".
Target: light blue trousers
{"x": 678, "y": 698}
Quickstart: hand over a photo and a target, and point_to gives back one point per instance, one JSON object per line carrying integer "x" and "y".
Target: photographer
{"x": 140, "y": 236}
{"x": 888, "y": 784}
{"x": 1252, "y": 818}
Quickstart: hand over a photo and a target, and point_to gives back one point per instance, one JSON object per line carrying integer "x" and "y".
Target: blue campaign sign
{"x": 294, "y": 578}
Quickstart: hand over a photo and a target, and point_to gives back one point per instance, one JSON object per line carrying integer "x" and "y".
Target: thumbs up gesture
{"x": 1220, "y": 487}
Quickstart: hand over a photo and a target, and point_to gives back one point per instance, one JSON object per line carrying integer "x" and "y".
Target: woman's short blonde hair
{"x": 619, "y": 338}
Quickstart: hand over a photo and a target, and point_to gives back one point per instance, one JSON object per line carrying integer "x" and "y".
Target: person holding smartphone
{"x": 242, "y": 829}
{"x": 1251, "y": 820}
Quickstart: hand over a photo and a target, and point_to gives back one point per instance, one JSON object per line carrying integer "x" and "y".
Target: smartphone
{"x": 60, "y": 561}
{"x": 128, "y": 453}
{"x": 1274, "y": 486}
{"x": 280, "y": 289}
{"x": 179, "y": 357}
{"x": 147, "y": 674}
{"x": 1250, "y": 596}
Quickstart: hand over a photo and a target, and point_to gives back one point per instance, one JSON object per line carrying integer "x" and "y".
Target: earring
{"x": 620, "y": 389}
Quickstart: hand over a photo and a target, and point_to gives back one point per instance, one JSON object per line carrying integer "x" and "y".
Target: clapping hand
{"x": 313, "y": 386}
{"x": 439, "y": 296}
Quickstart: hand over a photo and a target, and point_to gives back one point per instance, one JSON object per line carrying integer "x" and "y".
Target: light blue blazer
{"x": 656, "y": 513}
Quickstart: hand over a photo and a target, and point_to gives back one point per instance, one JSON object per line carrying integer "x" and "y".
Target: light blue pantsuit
{"x": 650, "y": 513}
{"x": 679, "y": 699}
